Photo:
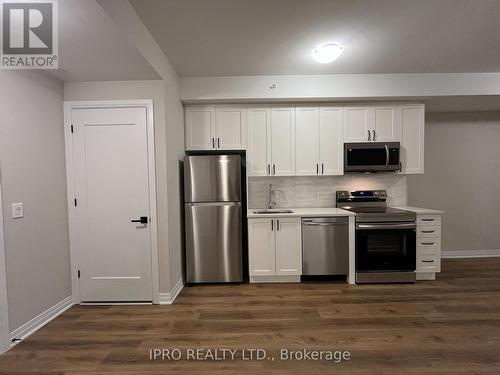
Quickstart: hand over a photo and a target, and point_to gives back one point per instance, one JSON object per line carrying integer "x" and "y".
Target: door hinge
{"x": 72, "y": 129}
{"x": 75, "y": 202}
{"x": 78, "y": 273}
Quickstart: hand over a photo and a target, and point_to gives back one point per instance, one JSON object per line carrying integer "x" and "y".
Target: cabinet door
{"x": 259, "y": 141}
{"x": 230, "y": 125}
{"x": 288, "y": 246}
{"x": 385, "y": 126}
{"x": 412, "y": 138}
{"x": 357, "y": 124}
{"x": 261, "y": 255}
{"x": 200, "y": 128}
{"x": 331, "y": 144}
{"x": 307, "y": 138}
{"x": 283, "y": 141}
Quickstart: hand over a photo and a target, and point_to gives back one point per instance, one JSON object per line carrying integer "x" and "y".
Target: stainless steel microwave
{"x": 372, "y": 157}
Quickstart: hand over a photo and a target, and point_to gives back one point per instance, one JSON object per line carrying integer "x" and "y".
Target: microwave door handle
{"x": 386, "y": 155}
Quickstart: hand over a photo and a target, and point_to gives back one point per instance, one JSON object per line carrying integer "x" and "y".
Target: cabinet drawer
{"x": 428, "y": 262}
{"x": 429, "y": 231}
{"x": 429, "y": 220}
{"x": 429, "y": 244}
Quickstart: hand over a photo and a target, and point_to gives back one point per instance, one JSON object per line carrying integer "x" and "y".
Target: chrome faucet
{"x": 271, "y": 200}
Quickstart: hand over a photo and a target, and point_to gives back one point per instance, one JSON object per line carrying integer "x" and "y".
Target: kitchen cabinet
{"x": 259, "y": 142}
{"x": 319, "y": 145}
{"x": 371, "y": 124}
{"x": 274, "y": 249}
{"x": 428, "y": 246}
{"x": 271, "y": 141}
{"x": 283, "y": 141}
{"x": 412, "y": 138}
{"x": 215, "y": 128}
{"x": 200, "y": 127}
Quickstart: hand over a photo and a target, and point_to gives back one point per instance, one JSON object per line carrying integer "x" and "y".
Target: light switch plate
{"x": 17, "y": 210}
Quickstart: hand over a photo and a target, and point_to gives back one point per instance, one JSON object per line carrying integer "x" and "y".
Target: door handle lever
{"x": 142, "y": 220}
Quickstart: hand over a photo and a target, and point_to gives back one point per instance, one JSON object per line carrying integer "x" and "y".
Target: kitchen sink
{"x": 273, "y": 211}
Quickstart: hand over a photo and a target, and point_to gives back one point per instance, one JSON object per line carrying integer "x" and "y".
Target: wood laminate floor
{"x": 447, "y": 326}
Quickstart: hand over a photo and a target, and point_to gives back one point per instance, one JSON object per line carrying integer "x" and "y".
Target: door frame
{"x": 5, "y": 342}
{"x": 148, "y": 105}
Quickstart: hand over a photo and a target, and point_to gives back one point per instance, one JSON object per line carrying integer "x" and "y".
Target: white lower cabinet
{"x": 274, "y": 249}
{"x": 428, "y": 246}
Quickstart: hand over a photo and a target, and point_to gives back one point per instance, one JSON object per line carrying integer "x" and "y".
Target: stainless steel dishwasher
{"x": 325, "y": 246}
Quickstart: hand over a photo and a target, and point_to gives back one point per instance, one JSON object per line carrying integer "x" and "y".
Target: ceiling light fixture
{"x": 326, "y": 53}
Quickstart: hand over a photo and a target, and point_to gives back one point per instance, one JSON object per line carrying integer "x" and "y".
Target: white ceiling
{"x": 91, "y": 47}
{"x": 263, "y": 37}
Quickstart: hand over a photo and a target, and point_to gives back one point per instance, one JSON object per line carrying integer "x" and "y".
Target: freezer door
{"x": 213, "y": 242}
{"x": 212, "y": 178}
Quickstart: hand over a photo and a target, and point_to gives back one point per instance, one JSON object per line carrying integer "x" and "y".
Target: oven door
{"x": 385, "y": 247}
{"x": 371, "y": 157}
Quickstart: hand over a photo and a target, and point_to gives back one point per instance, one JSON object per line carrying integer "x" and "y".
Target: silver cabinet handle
{"x": 427, "y": 219}
{"x": 428, "y": 243}
{"x": 317, "y": 168}
{"x": 269, "y": 169}
{"x": 272, "y": 225}
{"x": 278, "y": 224}
{"x": 374, "y": 136}
{"x": 274, "y": 169}
{"x": 428, "y": 231}
{"x": 427, "y": 261}
{"x": 322, "y": 168}
{"x": 369, "y": 136}
{"x": 218, "y": 142}
{"x": 213, "y": 142}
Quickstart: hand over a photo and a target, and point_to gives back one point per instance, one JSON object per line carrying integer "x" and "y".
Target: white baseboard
{"x": 39, "y": 321}
{"x": 470, "y": 254}
{"x": 169, "y": 298}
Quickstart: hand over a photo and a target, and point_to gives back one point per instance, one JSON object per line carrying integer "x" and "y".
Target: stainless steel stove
{"x": 385, "y": 237}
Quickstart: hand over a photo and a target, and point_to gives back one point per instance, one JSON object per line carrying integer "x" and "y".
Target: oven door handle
{"x": 387, "y": 226}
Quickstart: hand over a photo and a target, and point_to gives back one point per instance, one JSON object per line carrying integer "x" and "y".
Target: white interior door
{"x": 110, "y": 153}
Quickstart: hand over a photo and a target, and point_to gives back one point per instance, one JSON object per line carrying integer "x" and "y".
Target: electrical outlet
{"x": 17, "y": 210}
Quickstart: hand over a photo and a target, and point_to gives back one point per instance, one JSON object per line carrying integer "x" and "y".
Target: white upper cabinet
{"x": 385, "y": 124}
{"x": 307, "y": 141}
{"x": 259, "y": 142}
{"x": 215, "y": 128}
{"x": 412, "y": 138}
{"x": 200, "y": 127}
{"x": 319, "y": 145}
{"x": 331, "y": 143}
{"x": 230, "y": 127}
{"x": 357, "y": 127}
{"x": 283, "y": 141}
{"x": 371, "y": 124}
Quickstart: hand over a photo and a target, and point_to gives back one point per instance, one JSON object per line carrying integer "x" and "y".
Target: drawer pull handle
{"x": 428, "y": 231}
{"x": 428, "y": 261}
{"x": 427, "y": 219}
{"x": 428, "y": 243}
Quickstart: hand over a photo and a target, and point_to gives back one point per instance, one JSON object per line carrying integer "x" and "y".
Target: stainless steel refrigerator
{"x": 213, "y": 218}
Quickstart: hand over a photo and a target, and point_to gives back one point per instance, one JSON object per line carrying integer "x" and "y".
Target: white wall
{"x": 33, "y": 172}
{"x": 462, "y": 164}
{"x": 337, "y": 87}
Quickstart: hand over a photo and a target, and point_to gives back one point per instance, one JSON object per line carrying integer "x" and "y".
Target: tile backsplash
{"x": 319, "y": 191}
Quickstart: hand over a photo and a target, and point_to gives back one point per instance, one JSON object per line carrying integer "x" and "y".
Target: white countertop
{"x": 303, "y": 212}
{"x": 421, "y": 211}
